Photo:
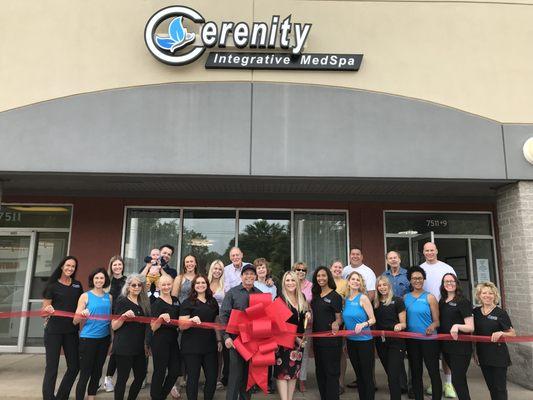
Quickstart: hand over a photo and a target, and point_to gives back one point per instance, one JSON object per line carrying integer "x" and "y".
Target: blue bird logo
{"x": 177, "y": 38}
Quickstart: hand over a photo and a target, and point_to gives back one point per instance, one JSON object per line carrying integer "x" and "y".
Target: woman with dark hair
{"x": 422, "y": 317}
{"x": 62, "y": 293}
{"x": 455, "y": 314}
{"x": 115, "y": 270}
{"x": 183, "y": 282}
{"x": 326, "y": 306}
{"x": 95, "y": 334}
{"x": 199, "y": 347}
{"x": 128, "y": 343}
{"x": 165, "y": 349}
{"x": 389, "y": 311}
{"x": 493, "y": 358}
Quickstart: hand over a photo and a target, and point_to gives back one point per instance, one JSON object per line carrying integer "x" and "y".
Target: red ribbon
{"x": 262, "y": 328}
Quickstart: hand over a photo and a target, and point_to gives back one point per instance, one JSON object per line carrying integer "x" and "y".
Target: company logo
{"x": 167, "y": 48}
{"x": 175, "y": 45}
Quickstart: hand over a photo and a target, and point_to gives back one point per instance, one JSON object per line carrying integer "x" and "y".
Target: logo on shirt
{"x": 451, "y": 303}
{"x": 75, "y": 285}
{"x": 492, "y": 317}
{"x": 327, "y": 300}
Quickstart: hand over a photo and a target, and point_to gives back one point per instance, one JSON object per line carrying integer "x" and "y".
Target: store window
{"x": 319, "y": 238}
{"x": 208, "y": 235}
{"x": 281, "y": 236}
{"x": 264, "y": 233}
{"x": 148, "y": 229}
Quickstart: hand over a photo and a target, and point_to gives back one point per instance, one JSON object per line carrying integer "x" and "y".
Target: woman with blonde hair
{"x": 493, "y": 358}
{"x": 289, "y": 361}
{"x": 216, "y": 283}
{"x": 300, "y": 269}
{"x": 390, "y": 314}
{"x": 358, "y": 316}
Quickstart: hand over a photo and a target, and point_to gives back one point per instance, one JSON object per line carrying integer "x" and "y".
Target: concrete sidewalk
{"x": 21, "y": 378}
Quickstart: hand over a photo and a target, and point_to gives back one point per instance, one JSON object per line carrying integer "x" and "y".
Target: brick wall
{"x": 515, "y": 220}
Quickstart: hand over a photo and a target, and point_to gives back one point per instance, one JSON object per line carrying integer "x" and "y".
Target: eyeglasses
{"x": 449, "y": 282}
{"x": 300, "y": 270}
{"x": 135, "y": 285}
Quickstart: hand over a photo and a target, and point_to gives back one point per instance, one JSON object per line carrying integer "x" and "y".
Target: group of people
{"x": 425, "y": 299}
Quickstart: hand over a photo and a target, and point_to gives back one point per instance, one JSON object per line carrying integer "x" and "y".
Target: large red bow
{"x": 262, "y": 327}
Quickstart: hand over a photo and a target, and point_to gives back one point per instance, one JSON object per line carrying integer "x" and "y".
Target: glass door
{"x": 15, "y": 266}
{"x": 455, "y": 252}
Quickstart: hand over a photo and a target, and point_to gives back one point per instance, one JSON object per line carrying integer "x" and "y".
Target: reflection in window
{"x": 208, "y": 235}
{"x": 266, "y": 234}
{"x": 319, "y": 238}
{"x": 148, "y": 229}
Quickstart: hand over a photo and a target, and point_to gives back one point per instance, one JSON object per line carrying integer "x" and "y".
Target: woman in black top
{"x": 390, "y": 314}
{"x": 115, "y": 271}
{"x": 455, "y": 313}
{"x": 128, "y": 343}
{"x": 199, "y": 346}
{"x": 493, "y": 358}
{"x": 165, "y": 349}
{"x": 326, "y": 307}
{"x": 61, "y": 293}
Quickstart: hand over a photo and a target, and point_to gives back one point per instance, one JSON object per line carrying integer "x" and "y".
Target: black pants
{"x": 124, "y": 365}
{"x": 166, "y": 359}
{"x": 361, "y": 353}
{"x": 496, "y": 380}
{"x": 327, "y": 370}
{"x": 209, "y": 363}
{"x": 93, "y": 353}
{"x": 426, "y": 351}
{"x": 111, "y": 366}
{"x": 391, "y": 354}
{"x": 238, "y": 377}
{"x": 459, "y": 364}
{"x": 53, "y": 343}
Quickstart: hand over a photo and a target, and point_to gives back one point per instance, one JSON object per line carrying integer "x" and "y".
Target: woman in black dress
{"x": 165, "y": 349}
{"x": 199, "y": 346}
{"x": 128, "y": 343}
{"x": 115, "y": 271}
{"x": 289, "y": 361}
{"x": 327, "y": 307}
{"x": 493, "y": 358}
{"x": 61, "y": 293}
{"x": 390, "y": 314}
{"x": 455, "y": 313}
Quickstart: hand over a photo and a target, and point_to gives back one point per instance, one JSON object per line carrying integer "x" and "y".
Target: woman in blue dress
{"x": 422, "y": 317}
{"x": 358, "y": 315}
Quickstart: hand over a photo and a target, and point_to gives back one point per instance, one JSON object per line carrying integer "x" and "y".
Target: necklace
{"x": 487, "y": 312}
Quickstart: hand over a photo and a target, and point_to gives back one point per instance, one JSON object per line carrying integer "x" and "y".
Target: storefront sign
{"x": 285, "y": 39}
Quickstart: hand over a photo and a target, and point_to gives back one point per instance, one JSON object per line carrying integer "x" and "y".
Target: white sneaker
{"x": 108, "y": 384}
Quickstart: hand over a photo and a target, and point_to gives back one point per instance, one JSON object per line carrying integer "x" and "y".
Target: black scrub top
{"x": 324, "y": 310}
{"x": 451, "y": 313}
{"x": 160, "y": 306}
{"x": 492, "y": 354}
{"x": 199, "y": 340}
{"x": 387, "y": 318}
{"x": 129, "y": 338}
{"x": 64, "y": 298}
{"x": 116, "y": 288}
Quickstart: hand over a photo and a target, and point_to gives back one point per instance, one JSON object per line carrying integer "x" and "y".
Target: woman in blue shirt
{"x": 358, "y": 316}
{"x": 95, "y": 335}
{"x": 422, "y": 317}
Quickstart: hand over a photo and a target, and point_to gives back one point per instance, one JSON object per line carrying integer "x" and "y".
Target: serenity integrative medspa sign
{"x": 169, "y": 40}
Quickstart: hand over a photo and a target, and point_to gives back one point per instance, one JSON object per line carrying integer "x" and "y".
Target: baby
{"x": 154, "y": 272}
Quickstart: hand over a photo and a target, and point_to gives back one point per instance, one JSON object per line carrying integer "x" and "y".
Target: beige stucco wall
{"x": 474, "y": 56}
